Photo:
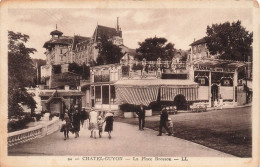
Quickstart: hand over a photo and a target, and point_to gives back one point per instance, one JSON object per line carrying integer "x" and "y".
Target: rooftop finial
{"x": 56, "y": 26}
{"x": 117, "y": 27}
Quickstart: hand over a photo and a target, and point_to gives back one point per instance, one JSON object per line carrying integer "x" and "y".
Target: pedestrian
{"x": 170, "y": 125}
{"x": 109, "y": 123}
{"x": 67, "y": 126}
{"x": 100, "y": 123}
{"x": 93, "y": 122}
{"x": 141, "y": 117}
{"x": 83, "y": 116}
{"x": 163, "y": 122}
{"x": 76, "y": 123}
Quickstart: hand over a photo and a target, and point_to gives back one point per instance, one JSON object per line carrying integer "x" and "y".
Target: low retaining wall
{"x": 28, "y": 134}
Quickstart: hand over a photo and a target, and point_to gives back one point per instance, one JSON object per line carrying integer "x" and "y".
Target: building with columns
{"x": 201, "y": 81}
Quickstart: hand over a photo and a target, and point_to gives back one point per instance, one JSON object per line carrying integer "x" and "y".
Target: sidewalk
{"x": 126, "y": 140}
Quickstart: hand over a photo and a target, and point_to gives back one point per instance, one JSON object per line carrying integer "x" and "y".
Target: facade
{"x": 137, "y": 82}
{"x": 201, "y": 81}
{"x": 199, "y": 50}
{"x": 62, "y": 80}
{"x": 219, "y": 79}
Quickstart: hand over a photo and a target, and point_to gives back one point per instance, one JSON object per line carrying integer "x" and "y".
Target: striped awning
{"x": 146, "y": 91}
{"x": 168, "y": 93}
{"x": 137, "y": 95}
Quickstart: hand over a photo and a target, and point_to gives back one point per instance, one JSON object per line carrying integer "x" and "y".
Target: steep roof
{"x": 105, "y": 31}
{"x": 63, "y": 40}
{"x": 200, "y": 41}
{"x": 78, "y": 39}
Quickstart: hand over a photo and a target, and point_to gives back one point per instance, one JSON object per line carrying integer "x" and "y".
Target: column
{"x": 101, "y": 96}
{"x": 109, "y": 96}
{"x": 234, "y": 87}
{"x": 94, "y": 96}
{"x": 209, "y": 96}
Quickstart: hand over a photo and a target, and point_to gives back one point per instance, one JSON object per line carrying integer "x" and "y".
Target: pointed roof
{"x": 105, "y": 31}
{"x": 56, "y": 32}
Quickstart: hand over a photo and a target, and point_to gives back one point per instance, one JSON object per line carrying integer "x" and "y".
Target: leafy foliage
{"x": 83, "y": 70}
{"x": 230, "y": 41}
{"x": 56, "y": 69}
{"x": 18, "y": 124}
{"x": 108, "y": 52}
{"x": 153, "y": 48}
{"x": 38, "y": 63}
{"x": 21, "y": 73}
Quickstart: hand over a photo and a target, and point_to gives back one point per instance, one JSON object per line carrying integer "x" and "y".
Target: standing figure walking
{"x": 76, "y": 123}
{"x": 100, "y": 123}
{"x": 141, "y": 117}
{"x": 83, "y": 116}
{"x": 109, "y": 123}
{"x": 67, "y": 126}
{"x": 93, "y": 121}
{"x": 163, "y": 122}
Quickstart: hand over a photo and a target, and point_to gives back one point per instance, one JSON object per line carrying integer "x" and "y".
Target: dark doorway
{"x": 105, "y": 94}
{"x": 180, "y": 102}
{"x": 214, "y": 93}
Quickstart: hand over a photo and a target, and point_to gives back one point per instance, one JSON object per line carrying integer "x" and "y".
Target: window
{"x": 227, "y": 82}
{"x": 61, "y": 51}
{"x": 201, "y": 81}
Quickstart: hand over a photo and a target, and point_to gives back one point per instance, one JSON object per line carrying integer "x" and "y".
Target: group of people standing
{"x": 93, "y": 120}
{"x": 165, "y": 121}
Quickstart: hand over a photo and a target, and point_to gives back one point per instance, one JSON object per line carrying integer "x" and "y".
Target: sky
{"x": 179, "y": 26}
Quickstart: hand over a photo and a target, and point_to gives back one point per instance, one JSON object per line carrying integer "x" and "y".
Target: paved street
{"x": 126, "y": 141}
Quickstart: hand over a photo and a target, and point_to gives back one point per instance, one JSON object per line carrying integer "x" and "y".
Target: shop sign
{"x": 216, "y": 69}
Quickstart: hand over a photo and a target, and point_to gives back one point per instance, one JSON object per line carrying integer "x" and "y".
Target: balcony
{"x": 101, "y": 78}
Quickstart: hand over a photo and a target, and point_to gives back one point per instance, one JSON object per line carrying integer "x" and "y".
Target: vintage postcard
{"x": 129, "y": 83}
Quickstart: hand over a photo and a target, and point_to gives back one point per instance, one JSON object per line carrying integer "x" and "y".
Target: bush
{"x": 18, "y": 124}
{"x": 129, "y": 107}
{"x": 56, "y": 69}
{"x": 155, "y": 106}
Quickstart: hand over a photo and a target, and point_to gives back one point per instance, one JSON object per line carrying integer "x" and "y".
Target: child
{"x": 100, "y": 126}
{"x": 170, "y": 125}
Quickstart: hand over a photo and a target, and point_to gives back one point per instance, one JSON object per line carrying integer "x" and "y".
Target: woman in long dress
{"x": 109, "y": 123}
{"x": 76, "y": 123}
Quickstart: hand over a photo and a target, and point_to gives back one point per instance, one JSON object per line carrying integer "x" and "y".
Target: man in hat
{"x": 141, "y": 117}
{"x": 163, "y": 122}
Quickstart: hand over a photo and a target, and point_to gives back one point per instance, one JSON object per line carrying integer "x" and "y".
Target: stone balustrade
{"x": 28, "y": 134}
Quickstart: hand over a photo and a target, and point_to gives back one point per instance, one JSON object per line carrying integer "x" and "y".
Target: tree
{"x": 21, "y": 73}
{"x": 108, "y": 52}
{"x": 229, "y": 41}
{"x": 38, "y": 63}
{"x": 153, "y": 48}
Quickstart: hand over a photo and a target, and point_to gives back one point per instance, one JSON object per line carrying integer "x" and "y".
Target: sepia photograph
{"x": 92, "y": 83}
